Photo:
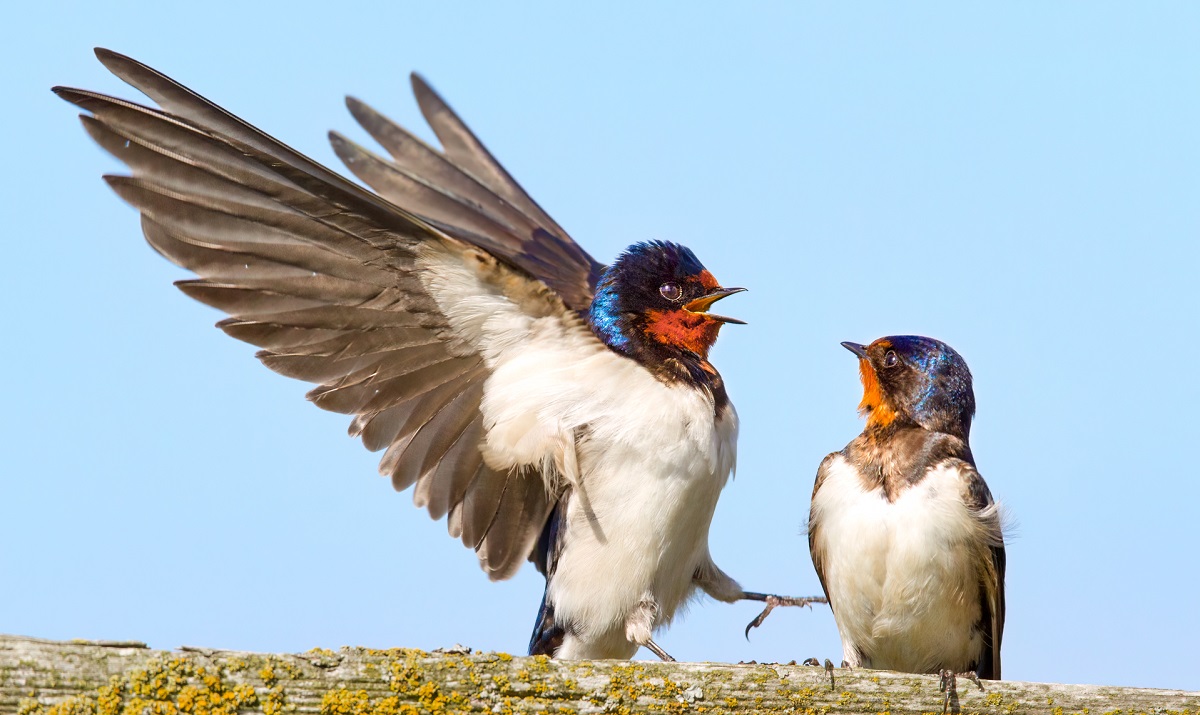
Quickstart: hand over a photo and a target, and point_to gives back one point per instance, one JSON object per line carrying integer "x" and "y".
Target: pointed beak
{"x": 702, "y": 304}
{"x": 859, "y": 350}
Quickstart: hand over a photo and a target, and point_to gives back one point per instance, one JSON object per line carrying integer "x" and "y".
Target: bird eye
{"x": 891, "y": 360}
{"x": 671, "y": 291}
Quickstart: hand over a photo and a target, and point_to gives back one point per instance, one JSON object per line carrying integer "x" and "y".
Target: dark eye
{"x": 890, "y": 360}
{"x": 671, "y": 291}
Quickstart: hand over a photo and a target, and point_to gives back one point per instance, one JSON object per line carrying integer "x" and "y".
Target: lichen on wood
{"x": 40, "y": 677}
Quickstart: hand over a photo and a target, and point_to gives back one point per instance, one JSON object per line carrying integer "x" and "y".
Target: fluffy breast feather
{"x": 551, "y": 376}
{"x": 903, "y": 577}
{"x": 645, "y": 460}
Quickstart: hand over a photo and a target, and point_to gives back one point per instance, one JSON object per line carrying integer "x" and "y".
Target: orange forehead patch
{"x": 695, "y": 332}
{"x": 708, "y": 281}
{"x": 873, "y": 405}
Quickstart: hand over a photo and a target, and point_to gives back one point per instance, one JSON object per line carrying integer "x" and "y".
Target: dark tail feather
{"x": 548, "y": 634}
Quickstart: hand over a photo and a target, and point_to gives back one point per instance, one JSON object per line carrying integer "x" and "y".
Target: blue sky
{"x": 1021, "y": 180}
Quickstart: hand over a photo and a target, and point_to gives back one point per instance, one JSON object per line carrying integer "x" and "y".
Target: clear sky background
{"x": 1021, "y": 180}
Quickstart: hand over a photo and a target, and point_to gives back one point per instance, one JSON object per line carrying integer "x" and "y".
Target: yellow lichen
{"x": 344, "y": 702}
{"x": 165, "y": 686}
{"x": 272, "y": 702}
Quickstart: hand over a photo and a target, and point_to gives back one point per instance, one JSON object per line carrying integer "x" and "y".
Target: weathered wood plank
{"x": 39, "y": 677}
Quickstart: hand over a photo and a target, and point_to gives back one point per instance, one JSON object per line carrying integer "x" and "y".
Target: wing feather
{"x": 523, "y": 511}
{"x": 465, "y": 192}
{"x": 324, "y": 277}
{"x": 436, "y": 202}
{"x": 818, "y": 555}
{"x": 465, "y": 150}
{"x": 991, "y": 589}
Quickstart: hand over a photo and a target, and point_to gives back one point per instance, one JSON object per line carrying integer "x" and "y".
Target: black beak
{"x": 859, "y": 350}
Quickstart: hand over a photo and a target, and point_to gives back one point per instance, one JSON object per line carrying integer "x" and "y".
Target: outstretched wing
{"x": 331, "y": 281}
{"x": 466, "y": 193}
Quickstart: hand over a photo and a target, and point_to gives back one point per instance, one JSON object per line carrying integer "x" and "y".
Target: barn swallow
{"x": 904, "y": 533}
{"x": 551, "y": 408}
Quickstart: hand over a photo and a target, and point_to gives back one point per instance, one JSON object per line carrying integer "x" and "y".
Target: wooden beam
{"x": 39, "y": 677}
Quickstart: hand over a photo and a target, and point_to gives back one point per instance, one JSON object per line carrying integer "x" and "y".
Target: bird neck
{"x": 898, "y": 455}
{"x": 684, "y": 331}
{"x": 674, "y": 351}
{"x": 608, "y": 321}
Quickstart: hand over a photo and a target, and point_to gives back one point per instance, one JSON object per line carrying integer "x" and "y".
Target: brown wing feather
{"x": 464, "y": 191}
{"x": 465, "y": 150}
{"x": 991, "y": 589}
{"x": 321, "y": 275}
{"x": 814, "y": 526}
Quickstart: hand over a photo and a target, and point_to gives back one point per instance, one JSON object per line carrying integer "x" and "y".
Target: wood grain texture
{"x": 39, "y": 677}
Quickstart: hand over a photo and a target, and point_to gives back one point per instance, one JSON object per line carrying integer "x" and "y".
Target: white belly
{"x": 902, "y": 576}
{"x": 651, "y": 464}
{"x": 641, "y": 531}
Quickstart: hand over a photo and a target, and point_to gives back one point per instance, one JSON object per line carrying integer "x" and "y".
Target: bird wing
{"x": 466, "y": 193}
{"x": 852, "y": 651}
{"x": 987, "y": 512}
{"x": 340, "y": 287}
{"x": 818, "y": 556}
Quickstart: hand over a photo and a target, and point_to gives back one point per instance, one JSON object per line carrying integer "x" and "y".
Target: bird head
{"x": 915, "y": 380}
{"x": 656, "y": 297}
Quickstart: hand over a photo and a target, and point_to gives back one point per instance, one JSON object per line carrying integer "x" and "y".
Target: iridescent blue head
{"x": 908, "y": 379}
{"x": 652, "y": 303}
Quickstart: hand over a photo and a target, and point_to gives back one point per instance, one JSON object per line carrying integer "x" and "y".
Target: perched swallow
{"x": 551, "y": 408}
{"x": 904, "y": 534}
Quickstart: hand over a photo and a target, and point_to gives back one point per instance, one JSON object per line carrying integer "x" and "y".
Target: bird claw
{"x": 774, "y": 601}
{"x": 948, "y": 685}
{"x": 758, "y": 620}
{"x": 828, "y": 669}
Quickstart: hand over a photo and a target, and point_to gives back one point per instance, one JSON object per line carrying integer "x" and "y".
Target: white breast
{"x": 651, "y": 462}
{"x": 902, "y": 576}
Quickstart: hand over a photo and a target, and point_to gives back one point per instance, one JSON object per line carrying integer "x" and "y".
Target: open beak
{"x": 702, "y": 304}
{"x": 859, "y": 350}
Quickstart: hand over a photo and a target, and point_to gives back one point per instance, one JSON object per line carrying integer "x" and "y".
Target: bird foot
{"x": 639, "y": 626}
{"x": 773, "y": 601}
{"x": 828, "y": 669}
{"x": 656, "y": 649}
{"x": 948, "y": 685}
